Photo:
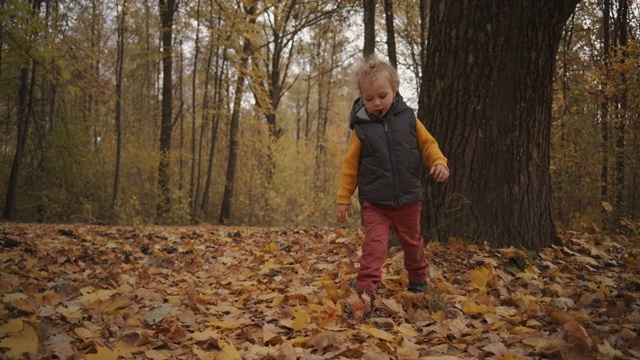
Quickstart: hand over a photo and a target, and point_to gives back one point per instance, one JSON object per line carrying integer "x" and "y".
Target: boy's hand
{"x": 343, "y": 213}
{"x": 439, "y": 172}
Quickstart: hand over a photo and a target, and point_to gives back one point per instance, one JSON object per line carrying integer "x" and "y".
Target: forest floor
{"x": 211, "y": 292}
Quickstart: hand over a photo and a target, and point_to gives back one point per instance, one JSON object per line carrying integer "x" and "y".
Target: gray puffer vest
{"x": 391, "y": 165}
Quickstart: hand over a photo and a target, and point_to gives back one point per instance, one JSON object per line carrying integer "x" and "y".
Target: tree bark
{"x": 489, "y": 68}
{"x": 167, "y": 11}
{"x": 369, "y": 27}
{"x": 25, "y": 92}
{"x": 391, "y": 33}
{"x": 423, "y": 91}
{"x": 604, "y": 104}
{"x": 118, "y": 110}
{"x": 622, "y": 106}
{"x": 193, "y": 183}
{"x": 234, "y": 126}
{"x": 220, "y": 66}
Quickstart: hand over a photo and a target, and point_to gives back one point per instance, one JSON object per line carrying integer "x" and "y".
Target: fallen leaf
{"x": 301, "y": 321}
{"x": 104, "y": 353}
{"x": 373, "y": 331}
{"x": 579, "y": 333}
{"x": 22, "y": 341}
{"x": 480, "y": 277}
{"x": 408, "y": 330}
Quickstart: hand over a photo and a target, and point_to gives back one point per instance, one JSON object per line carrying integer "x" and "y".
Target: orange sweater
{"x": 428, "y": 146}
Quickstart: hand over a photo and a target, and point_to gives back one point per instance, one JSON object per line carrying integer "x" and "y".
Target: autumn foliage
{"x": 211, "y": 292}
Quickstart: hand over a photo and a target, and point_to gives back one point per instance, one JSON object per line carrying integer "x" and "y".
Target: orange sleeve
{"x": 349, "y": 174}
{"x": 428, "y": 145}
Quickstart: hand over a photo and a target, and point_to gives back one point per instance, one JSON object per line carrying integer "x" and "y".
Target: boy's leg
{"x": 374, "y": 248}
{"x": 407, "y": 225}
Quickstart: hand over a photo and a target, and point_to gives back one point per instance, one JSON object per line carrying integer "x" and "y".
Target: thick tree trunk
{"x": 489, "y": 69}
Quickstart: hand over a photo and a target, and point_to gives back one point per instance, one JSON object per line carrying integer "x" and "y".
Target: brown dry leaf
{"x": 359, "y": 305}
{"x": 325, "y": 341}
{"x": 407, "y": 350}
{"x": 559, "y": 316}
{"x": 579, "y": 333}
{"x": 177, "y": 333}
{"x": 104, "y": 353}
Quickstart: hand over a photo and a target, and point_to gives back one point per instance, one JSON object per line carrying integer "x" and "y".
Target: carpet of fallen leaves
{"x": 210, "y": 292}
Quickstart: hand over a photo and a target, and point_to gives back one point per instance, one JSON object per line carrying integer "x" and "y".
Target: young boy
{"x": 384, "y": 159}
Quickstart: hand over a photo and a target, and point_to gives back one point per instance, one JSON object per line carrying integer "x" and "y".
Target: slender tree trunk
{"x": 213, "y": 49}
{"x": 391, "y": 33}
{"x": 118, "y": 110}
{"x": 369, "y": 27}
{"x": 25, "y": 92}
{"x": 180, "y": 118}
{"x": 167, "y": 11}
{"x": 423, "y": 90}
{"x": 2, "y": 32}
{"x": 193, "y": 199}
{"x": 234, "y": 126}
{"x": 213, "y": 140}
{"x": 492, "y": 117}
{"x": 604, "y": 104}
{"x": 622, "y": 108}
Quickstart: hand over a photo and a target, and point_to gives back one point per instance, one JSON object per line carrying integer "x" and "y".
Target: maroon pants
{"x": 378, "y": 221}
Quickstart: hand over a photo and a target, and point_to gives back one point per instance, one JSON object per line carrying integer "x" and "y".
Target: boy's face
{"x": 377, "y": 95}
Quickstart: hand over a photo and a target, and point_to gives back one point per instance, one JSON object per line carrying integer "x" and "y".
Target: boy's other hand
{"x": 439, "y": 172}
{"x": 343, "y": 213}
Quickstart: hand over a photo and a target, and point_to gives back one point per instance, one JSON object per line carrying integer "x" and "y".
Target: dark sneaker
{"x": 417, "y": 287}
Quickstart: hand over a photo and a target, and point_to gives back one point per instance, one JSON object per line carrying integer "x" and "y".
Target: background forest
{"x": 131, "y": 112}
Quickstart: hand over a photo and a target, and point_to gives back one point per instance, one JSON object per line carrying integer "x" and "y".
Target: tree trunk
{"x": 423, "y": 91}
{"x": 391, "y": 33}
{"x": 369, "y": 27}
{"x": 234, "y": 126}
{"x": 622, "y": 108}
{"x": 489, "y": 69}
{"x": 24, "y": 96}
{"x": 221, "y": 64}
{"x": 118, "y": 110}
{"x": 604, "y": 105}
{"x": 194, "y": 185}
{"x": 167, "y": 11}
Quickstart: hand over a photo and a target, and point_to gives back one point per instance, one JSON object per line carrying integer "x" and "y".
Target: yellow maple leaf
{"x": 84, "y": 333}
{"x": 13, "y": 325}
{"x": 373, "y": 331}
{"x": 301, "y": 321}
{"x": 472, "y": 307}
{"x": 407, "y": 329}
{"x": 480, "y": 277}
{"x": 22, "y": 341}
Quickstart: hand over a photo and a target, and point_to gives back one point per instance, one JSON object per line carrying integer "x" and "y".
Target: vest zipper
{"x": 392, "y": 159}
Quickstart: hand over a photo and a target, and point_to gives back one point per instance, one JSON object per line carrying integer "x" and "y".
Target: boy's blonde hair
{"x": 372, "y": 67}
